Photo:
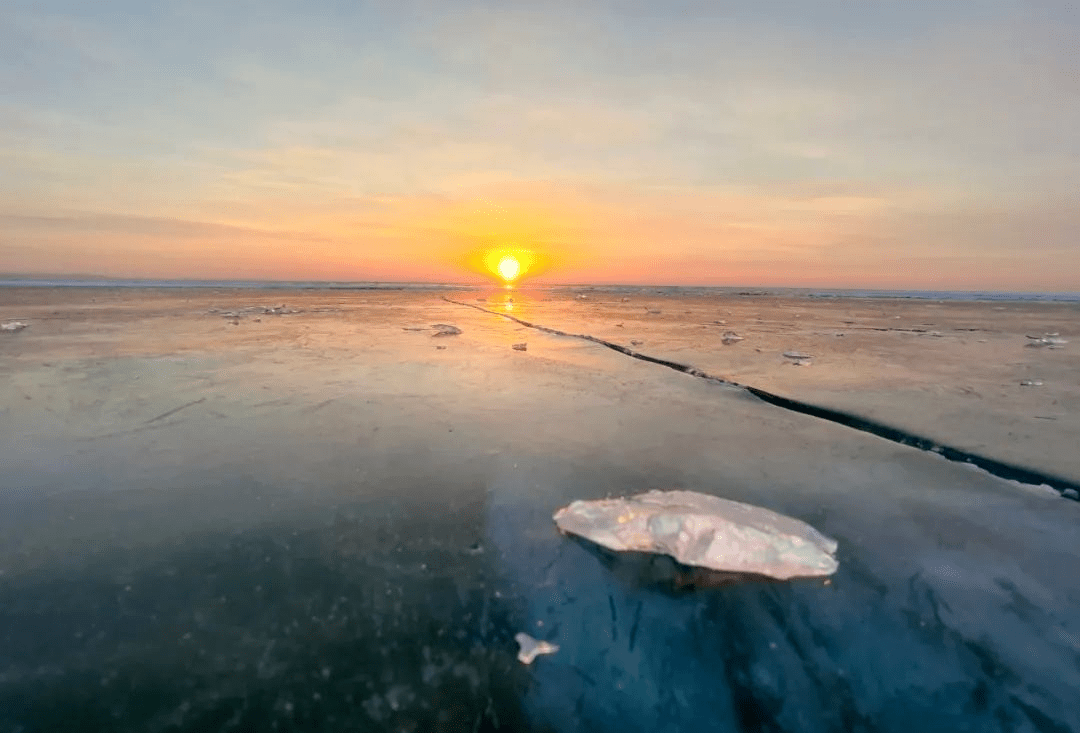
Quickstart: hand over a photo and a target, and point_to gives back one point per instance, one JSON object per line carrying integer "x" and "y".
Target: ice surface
{"x": 348, "y": 535}
{"x": 704, "y": 531}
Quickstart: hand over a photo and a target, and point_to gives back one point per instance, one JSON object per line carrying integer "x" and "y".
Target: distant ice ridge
{"x": 697, "y": 291}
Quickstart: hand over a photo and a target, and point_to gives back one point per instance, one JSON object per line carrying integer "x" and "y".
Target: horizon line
{"x": 15, "y": 279}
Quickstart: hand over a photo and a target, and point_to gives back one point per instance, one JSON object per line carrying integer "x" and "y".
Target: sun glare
{"x": 507, "y": 265}
{"x": 509, "y": 268}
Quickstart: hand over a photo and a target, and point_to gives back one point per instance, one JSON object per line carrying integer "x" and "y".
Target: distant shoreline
{"x": 654, "y": 290}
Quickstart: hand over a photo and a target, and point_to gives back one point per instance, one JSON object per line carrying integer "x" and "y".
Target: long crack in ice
{"x": 1067, "y": 488}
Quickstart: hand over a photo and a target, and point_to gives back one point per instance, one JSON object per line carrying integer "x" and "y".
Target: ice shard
{"x": 703, "y": 531}
{"x": 530, "y": 648}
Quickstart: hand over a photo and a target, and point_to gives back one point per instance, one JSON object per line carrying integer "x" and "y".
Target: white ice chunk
{"x": 704, "y": 531}
{"x": 531, "y": 648}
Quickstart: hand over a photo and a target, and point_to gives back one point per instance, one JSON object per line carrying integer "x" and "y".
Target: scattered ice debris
{"x": 532, "y": 648}
{"x": 730, "y": 337}
{"x": 635, "y": 342}
{"x": 1049, "y": 340}
{"x": 261, "y": 310}
{"x": 703, "y": 531}
{"x": 13, "y": 326}
{"x": 1031, "y": 383}
{"x": 445, "y": 329}
{"x": 520, "y": 347}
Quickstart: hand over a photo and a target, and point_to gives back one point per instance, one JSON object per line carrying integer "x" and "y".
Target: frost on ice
{"x": 703, "y": 531}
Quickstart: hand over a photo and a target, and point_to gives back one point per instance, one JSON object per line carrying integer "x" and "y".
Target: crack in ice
{"x": 1066, "y": 488}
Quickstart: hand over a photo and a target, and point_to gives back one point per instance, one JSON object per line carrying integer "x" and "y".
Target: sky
{"x": 806, "y": 143}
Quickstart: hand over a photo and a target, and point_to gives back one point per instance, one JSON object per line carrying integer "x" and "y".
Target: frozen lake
{"x": 214, "y": 518}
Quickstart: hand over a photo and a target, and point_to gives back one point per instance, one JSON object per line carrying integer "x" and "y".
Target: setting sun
{"x": 509, "y": 268}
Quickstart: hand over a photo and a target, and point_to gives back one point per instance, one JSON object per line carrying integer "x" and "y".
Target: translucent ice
{"x": 703, "y": 531}
{"x": 530, "y": 648}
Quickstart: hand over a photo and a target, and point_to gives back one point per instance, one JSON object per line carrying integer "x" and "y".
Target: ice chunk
{"x": 1049, "y": 340}
{"x": 703, "y": 531}
{"x": 13, "y": 326}
{"x": 445, "y": 329}
{"x": 531, "y": 648}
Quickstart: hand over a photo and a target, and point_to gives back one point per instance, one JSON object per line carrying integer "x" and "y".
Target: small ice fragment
{"x": 13, "y": 326}
{"x": 531, "y": 648}
{"x": 730, "y": 337}
{"x": 703, "y": 531}
{"x": 445, "y": 329}
{"x": 520, "y": 347}
{"x": 1031, "y": 383}
{"x": 1049, "y": 340}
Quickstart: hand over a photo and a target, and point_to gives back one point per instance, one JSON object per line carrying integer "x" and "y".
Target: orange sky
{"x": 907, "y": 146}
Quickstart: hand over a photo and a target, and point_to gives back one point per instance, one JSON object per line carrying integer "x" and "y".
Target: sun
{"x": 509, "y": 268}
